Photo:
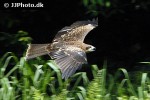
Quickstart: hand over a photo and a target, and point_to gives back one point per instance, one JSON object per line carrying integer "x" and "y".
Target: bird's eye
{"x": 87, "y": 48}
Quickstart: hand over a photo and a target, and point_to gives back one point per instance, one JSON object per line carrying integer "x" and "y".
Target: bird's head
{"x": 90, "y": 48}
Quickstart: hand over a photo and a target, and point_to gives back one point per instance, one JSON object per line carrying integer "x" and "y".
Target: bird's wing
{"x": 69, "y": 60}
{"x": 76, "y": 32}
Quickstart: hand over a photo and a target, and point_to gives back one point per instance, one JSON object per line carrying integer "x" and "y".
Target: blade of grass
{"x": 37, "y": 74}
{"x": 103, "y": 81}
{"x": 6, "y": 55}
{"x": 77, "y": 82}
{"x": 52, "y": 87}
{"x": 143, "y": 81}
{"x": 46, "y": 80}
{"x": 111, "y": 83}
{"x": 83, "y": 91}
{"x": 94, "y": 70}
{"x": 80, "y": 96}
{"x": 55, "y": 68}
{"x": 6, "y": 64}
{"x": 85, "y": 79}
{"x": 128, "y": 81}
{"x": 11, "y": 71}
{"x": 121, "y": 86}
{"x": 140, "y": 93}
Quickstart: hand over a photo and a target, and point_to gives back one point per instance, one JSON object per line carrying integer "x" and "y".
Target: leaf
{"x": 85, "y": 2}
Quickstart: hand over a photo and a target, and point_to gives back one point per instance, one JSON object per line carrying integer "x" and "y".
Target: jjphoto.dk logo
{"x": 25, "y": 5}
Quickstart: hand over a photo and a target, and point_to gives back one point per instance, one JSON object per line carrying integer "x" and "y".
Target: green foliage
{"x": 96, "y": 90}
{"x": 20, "y": 37}
{"x": 13, "y": 41}
{"x": 96, "y": 2}
{"x": 109, "y": 7}
{"x": 41, "y": 80}
{"x": 37, "y": 95}
{"x": 61, "y": 96}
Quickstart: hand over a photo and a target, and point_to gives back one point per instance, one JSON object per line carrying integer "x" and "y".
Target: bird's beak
{"x": 93, "y": 49}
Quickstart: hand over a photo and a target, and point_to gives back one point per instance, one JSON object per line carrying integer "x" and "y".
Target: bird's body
{"x": 67, "y": 48}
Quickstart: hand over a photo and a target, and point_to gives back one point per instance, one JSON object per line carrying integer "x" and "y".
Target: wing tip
{"x": 94, "y": 22}
{"x": 70, "y": 71}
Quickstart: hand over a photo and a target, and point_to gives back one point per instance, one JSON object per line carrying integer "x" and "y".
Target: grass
{"x": 41, "y": 80}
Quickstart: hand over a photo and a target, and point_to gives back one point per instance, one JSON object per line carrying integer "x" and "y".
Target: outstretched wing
{"x": 76, "y": 32}
{"x": 69, "y": 60}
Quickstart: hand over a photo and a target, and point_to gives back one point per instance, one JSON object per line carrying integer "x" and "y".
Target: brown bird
{"x": 67, "y": 48}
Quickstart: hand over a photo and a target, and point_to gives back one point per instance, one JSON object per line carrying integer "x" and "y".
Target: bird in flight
{"x": 67, "y": 49}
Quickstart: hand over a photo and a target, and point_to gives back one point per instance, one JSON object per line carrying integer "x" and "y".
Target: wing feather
{"x": 67, "y": 70}
{"x": 76, "y": 32}
{"x": 73, "y": 69}
{"x": 69, "y": 60}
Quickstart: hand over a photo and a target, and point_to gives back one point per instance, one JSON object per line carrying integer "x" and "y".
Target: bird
{"x": 67, "y": 49}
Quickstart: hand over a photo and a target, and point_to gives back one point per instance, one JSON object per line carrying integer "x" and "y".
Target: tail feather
{"x": 35, "y": 50}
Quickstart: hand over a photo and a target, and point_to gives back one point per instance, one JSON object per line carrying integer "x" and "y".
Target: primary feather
{"x": 76, "y": 32}
{"x": 69, "y": 60}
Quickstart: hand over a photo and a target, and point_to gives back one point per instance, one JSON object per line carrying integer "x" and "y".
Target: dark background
{"x": 122, "y": 37}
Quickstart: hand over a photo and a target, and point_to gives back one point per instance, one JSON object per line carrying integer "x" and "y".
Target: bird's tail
{"x": 35, "y": 50}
